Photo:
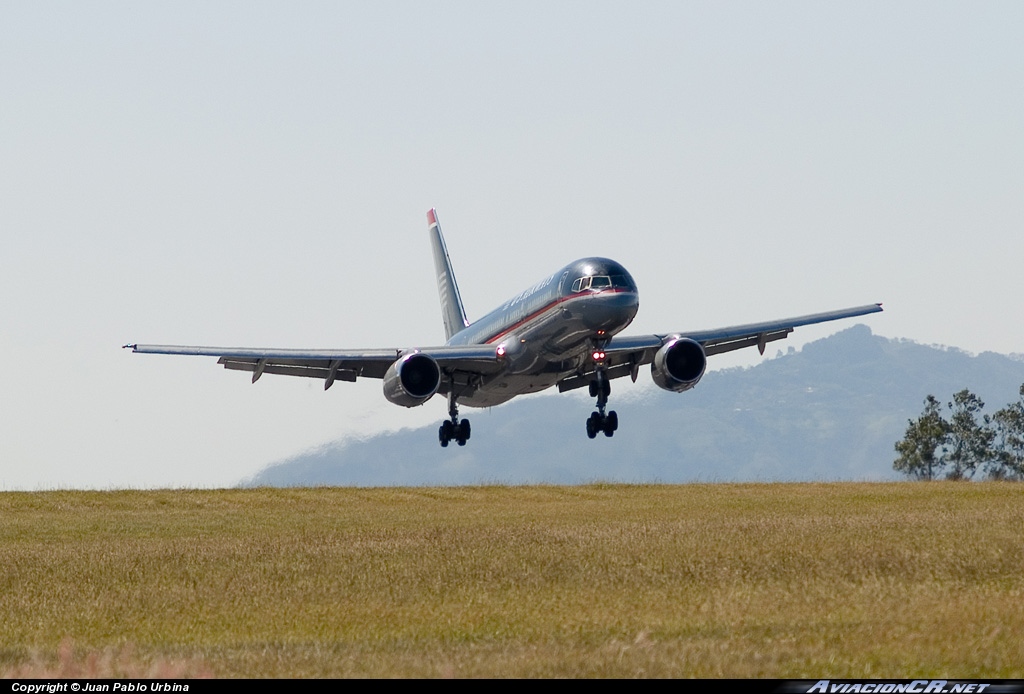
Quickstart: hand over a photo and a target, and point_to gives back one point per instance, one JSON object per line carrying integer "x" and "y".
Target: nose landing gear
{"x": 600, "y": 421}
{"x": 597, "y": 423}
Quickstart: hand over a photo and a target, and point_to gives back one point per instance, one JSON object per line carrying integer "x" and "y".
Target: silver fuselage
{"x": 549, "y": 331}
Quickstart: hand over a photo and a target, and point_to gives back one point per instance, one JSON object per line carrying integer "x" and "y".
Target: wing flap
{"x": 729, "y": 344}
{"x": 320, "y": 371}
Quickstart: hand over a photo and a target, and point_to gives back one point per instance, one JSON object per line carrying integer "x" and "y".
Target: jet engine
{"x": 412, "y": 380}
{"x": 679, "y": 364}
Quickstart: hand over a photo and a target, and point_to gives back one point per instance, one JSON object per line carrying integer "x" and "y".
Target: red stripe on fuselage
{"x": 557, "y": 302}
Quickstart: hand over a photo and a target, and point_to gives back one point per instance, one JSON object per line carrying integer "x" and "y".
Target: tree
{"x": 1008, "y": 461}
{"x": 970, "y": 441}
{"x": 925, "y": 438}
{"x": 965, "y": 443}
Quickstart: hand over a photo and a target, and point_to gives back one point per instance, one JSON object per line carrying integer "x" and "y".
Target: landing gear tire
{"x": 593, "y": 425}
{"x": 611, "y": 423}
{"x": 445, "y": 433}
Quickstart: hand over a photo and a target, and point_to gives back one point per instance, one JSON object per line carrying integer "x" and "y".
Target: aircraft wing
{"x": 721, "y": 340}
{"x": 335, "y": 364}
{"x": 625, "y": 355}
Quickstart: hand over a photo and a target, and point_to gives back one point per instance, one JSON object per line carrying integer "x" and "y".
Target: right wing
{"x": 719, "y": 340}
{"x": 339, "y": 364}
{"x": 625, "y": 355}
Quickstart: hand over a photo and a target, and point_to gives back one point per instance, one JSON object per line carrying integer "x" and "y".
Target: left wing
{"x": 625, "y": 355}
{"x": 337, "y": 364}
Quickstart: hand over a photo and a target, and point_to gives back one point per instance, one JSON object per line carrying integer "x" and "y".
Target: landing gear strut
{"x": 453, "y": 429}
{"x": 600, "y": 421}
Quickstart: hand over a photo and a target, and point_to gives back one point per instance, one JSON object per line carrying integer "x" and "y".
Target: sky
{"x": 258, "y": 174}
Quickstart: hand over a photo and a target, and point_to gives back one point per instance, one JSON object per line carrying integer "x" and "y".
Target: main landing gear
{"x": 453, "y": 429}
{"x": 599, "y": 421}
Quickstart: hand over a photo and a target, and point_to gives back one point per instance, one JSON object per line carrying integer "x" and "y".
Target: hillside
{"x": 831, "y": 411}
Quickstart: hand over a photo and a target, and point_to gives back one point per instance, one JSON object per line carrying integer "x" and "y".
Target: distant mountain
{"x": 831, "y": 411}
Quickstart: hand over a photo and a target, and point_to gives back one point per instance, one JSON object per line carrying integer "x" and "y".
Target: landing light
{"x": 598, "y": 355}
{"x": 501, "y": 350}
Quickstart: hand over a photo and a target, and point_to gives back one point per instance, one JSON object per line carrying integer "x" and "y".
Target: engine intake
{"x": 679, "y": 364}
{"x": 412, "y": 380}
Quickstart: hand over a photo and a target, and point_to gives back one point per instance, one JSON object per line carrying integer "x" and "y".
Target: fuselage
{"x": 548, "y": 331}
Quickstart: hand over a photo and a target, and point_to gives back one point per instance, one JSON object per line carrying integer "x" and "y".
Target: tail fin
{"x": 452, "y": 312}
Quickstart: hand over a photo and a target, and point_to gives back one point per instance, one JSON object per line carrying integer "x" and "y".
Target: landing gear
{"x": 600, "y": 421}
{"x": 597, "y": 423}
{"x": 453, "y": 429}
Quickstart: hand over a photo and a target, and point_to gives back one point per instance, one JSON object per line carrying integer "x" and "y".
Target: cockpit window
{"x": 601, "y": 282}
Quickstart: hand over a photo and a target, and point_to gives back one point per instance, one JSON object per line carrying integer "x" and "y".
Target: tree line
{"x": 965, "y": 443}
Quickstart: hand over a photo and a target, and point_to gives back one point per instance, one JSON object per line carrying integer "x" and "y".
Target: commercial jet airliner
{"x": 562, "y": 331}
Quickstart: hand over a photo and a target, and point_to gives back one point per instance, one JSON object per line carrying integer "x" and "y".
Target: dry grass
{"x": 109, "y": 663}
{"x": 762, "y": 580}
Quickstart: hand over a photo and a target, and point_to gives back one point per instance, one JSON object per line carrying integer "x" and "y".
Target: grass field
{"x": 758, "y": 580}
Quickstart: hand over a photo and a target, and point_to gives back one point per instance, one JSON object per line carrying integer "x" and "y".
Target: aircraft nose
{"x": 612, "y": 311}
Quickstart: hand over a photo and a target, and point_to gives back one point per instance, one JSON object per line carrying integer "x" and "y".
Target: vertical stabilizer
{"x": 452, "y": 312}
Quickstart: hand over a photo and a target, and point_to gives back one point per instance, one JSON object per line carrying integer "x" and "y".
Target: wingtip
{"x": 132, "y": 347}
{"x": 432, "y": 216}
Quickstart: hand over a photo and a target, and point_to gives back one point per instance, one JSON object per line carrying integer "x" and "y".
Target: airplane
{"x": 562, "y": 331}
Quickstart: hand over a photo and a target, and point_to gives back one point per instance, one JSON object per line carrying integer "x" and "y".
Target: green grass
{"x": 759, "y": 580}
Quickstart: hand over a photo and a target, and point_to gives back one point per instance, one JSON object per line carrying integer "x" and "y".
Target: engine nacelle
{"x": 679, "y": 364}
{"x": 412, "y": 380}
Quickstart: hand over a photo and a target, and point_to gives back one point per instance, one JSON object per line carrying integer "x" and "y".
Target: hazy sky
{"x": 258, "y": 174}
